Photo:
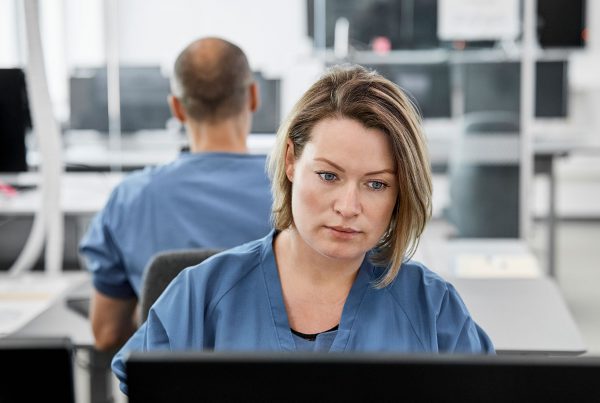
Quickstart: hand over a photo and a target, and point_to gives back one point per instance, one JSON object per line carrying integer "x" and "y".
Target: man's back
{"x": 217, "y": 196}
{"x": 215, "y": 200}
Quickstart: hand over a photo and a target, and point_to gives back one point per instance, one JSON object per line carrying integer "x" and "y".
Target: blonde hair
{"x": 354, "y": 92}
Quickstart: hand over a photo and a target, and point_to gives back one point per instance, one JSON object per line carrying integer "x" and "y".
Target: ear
{"x": 290, "y": 160}
{"x": 254, "y": 94}
{"x": 177, "y": 108}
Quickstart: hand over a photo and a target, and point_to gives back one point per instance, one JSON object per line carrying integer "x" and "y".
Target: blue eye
{"x": 327, "y": 176}
{"x": 377, "y": 185}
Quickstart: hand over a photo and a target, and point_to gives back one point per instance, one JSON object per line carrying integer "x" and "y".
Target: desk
{"x": 547, "y": 150}
{"x": 521, "y": 315}
{"x": 58, "y": 320}
{"x": 61, "y": 321}
{"x": 89, "y": 150}
{"x": 82, "y": 193}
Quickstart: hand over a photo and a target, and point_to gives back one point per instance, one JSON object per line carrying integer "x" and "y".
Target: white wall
{"x": 9, "y": 45}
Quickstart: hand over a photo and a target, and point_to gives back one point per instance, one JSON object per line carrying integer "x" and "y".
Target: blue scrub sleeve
{"x": 142, "y": 340}
{"x": 175, "y": 323}
{"x": 457, "y": 331}
{"x": 103, "y": 257}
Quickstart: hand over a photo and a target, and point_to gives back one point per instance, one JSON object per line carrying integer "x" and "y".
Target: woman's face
{"x": 344, "y": 188}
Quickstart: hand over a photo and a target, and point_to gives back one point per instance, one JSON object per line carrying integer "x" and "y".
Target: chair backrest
{"x": 163, "y": 268}
{"x": 483, "y": 176}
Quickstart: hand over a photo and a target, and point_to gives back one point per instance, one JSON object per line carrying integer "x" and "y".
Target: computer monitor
{"x": 551, "y": 89}
{"x": 561, "y": 23}
{"x": 307, "y": 377}
{"x": 407, "y": 24}
{"x": 143, "y": 96}
{"x": 267, "y": 118}
{"x": 492, "y": 87}
{"x": 36, "y": 370}
{"x": 143, "y": 92}
{"x": 496, "y": 87}
{"x": 14, "y": 120}
{"x": 428, "y": 85}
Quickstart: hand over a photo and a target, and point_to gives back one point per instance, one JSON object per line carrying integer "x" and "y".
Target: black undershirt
{"x": 312, "y": 337}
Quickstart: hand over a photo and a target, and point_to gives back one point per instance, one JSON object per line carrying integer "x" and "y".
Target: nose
{"x": 347, "y": 204}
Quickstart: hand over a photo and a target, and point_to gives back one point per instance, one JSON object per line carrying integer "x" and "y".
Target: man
{"x": 215, "y": 196}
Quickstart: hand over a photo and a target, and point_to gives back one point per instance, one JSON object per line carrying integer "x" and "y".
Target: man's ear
{"x": 290, "y": 160}
{"x": 177, "y": 108}
{"x": 254, "y": 95}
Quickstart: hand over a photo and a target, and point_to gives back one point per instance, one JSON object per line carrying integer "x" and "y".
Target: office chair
{"x": 163, "y": 268}
{"x": 484, "y": 197}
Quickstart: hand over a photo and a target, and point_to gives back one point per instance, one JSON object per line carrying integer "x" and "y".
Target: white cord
{"x": 48, "y": 221}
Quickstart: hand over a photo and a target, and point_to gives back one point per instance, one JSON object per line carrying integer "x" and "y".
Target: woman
{"x": 352, "y": 194}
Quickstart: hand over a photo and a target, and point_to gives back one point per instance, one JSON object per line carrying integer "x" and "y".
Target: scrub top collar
{"x": 273, "y": 285}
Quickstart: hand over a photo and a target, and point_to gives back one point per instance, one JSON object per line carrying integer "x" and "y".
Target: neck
{"x": 297, "y": 261}
{"x": 224, "y": 136}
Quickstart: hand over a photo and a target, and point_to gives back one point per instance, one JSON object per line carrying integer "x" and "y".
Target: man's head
{"x": 212, "y": 82}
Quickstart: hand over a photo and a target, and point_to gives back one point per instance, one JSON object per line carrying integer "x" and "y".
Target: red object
{"x": 7, "y": 190}
{"x": 381, "y": 45}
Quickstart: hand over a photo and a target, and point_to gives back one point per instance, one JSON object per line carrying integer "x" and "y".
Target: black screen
{"x": 496, "y": 87}
{"x": 187, "y": 377}
{"x": 561, "y": 23}
{"x": 267, "y": 117}
{"x": 14, "y": 120}
{"x": 408, "y": 24}
{"x": 36, "y": 370}
{"x": 551, "y": 90}
{"x": 428, "y": 85}
{"x": 143, "y": 92}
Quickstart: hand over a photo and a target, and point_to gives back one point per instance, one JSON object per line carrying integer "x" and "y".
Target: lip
{"x": 346, "y": 230}
{"x": 343, "y": 233}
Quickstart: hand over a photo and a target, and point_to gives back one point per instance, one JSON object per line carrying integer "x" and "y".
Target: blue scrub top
{"x": 200, "y": 200}
{"x": 233, "y": 301}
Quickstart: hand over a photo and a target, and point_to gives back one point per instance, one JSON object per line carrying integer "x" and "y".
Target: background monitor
{"x": 428, "y": 85}
{"x": 36, "y": 370}
{"x": 14, "y": 120}
{"x": 408, "y": 24}
{"x": 561, "y": 23}
{"x": 267, "y": 118}
{"x": 235, "y": 377}
{"x": 551, "y": 89}
{"x": 496, "y": 87}
{"x": 143, "y": 92}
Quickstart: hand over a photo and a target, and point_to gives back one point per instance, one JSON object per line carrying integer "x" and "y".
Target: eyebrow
{"x": 336, "y": 166}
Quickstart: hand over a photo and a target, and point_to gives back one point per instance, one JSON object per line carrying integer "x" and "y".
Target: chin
{"x": 342, "y": 252}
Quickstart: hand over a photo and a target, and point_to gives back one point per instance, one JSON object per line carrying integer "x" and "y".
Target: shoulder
{"x": 137, "y": 184}
{"x": 413, "y": 273}
{"x": 218, "y": 274}
{"x": 133, "y": 185}
{"x": 415, "y": 282}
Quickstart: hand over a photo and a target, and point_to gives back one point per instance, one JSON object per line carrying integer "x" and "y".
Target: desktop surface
{"x": 209, "y": 376}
